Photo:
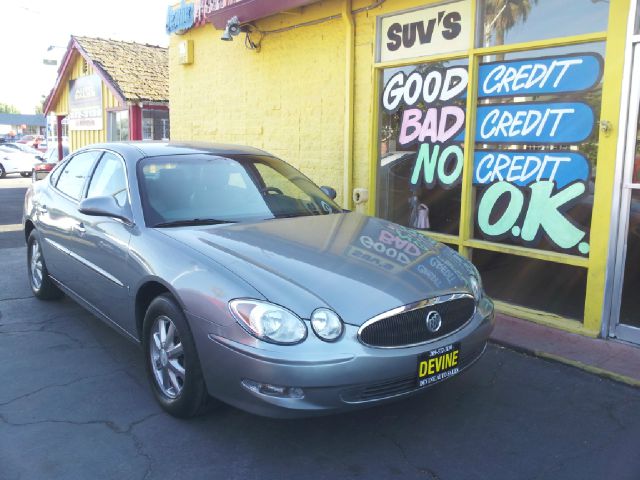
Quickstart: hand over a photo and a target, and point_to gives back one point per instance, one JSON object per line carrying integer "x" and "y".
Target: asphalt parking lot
{"x": 75, "y": 404}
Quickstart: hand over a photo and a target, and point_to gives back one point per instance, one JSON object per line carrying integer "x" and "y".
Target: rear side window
{"x": 75, "y": 171}
{"x": 109, "y": 179}
{"x": 55, "y": 173}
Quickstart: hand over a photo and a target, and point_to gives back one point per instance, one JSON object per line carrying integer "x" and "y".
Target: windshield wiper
{"x": 192, "y": 222}
{"x": 292, "y": 215}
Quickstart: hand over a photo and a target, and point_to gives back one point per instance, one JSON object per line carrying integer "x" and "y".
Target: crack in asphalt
{"x": 139, "y": 444}
{"x": 61, "y": 385}
{"x": 59, "y": 316}
{"x": 422, "y": 470}
{"x": 75, "y": 341}
{"x": 128, "y": 432}
{"x": 15, "y": 298}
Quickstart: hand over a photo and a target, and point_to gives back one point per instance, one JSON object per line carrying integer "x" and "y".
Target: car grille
{"x": 381, "y": 390}
{"x": 409, "y": 326}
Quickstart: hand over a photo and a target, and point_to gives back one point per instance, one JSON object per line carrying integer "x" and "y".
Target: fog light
{"x": 273, "y": 390}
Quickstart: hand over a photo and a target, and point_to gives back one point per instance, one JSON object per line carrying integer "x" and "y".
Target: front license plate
{"x": 438, "y": 364}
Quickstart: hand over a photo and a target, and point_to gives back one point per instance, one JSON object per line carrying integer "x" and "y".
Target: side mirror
{"x": 106, "y": 207}
{"x": 329, "y": 192}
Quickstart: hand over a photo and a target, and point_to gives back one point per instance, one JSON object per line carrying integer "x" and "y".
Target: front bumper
{"x": 335, "y": 377}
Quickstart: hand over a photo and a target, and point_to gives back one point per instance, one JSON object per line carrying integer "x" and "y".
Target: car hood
{"x": 357, "y": 265}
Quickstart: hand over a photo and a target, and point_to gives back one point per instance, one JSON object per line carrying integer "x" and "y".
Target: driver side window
{"x": 109, "y": 179}
{"x": 275, "y": 182}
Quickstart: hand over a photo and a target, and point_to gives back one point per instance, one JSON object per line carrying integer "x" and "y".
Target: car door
{"x": 103, "y": 244}
{"x": 8, "y": 159}
{"x": 58, "y": 219}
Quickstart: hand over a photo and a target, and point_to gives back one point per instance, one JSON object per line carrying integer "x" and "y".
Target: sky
{"x": 29, "y": 27}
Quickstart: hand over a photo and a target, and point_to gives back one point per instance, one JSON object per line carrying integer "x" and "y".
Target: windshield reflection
{"x": 208, "y": 189}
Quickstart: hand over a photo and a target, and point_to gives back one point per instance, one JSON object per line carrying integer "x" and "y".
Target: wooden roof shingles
{"x": 139, "y": 71}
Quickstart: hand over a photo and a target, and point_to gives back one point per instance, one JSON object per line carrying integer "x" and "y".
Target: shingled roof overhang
{"x": 133, "y": 72}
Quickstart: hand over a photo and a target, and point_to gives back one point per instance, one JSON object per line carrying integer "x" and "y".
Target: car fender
{"x": 201, "y": 286}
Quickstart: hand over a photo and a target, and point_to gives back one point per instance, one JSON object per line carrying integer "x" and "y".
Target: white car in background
{"x": 22, "y": 147}
{"x": 14, "y": 160}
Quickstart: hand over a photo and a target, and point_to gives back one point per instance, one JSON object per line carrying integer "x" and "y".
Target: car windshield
{"x": 204, "y": 189}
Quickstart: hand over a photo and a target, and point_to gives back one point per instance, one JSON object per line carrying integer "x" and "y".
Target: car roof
{"x": 155, "y": 149}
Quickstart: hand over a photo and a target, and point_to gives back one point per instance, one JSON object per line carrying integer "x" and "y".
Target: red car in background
{"x": 50, "y": 160}
{"x": 34, "y": 141}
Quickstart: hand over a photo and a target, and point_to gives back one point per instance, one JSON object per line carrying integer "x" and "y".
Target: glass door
{"x": 626, "y": 311}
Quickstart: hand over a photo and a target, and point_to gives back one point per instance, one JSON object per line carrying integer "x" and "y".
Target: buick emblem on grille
{"x": 434, "y": 321}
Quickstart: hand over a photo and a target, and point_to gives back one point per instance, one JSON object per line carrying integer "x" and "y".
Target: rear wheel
{"x": 171, "y": 360}
{"x": 3, "y": 172}
{"x": 41, "y": 285}
{"x": 25, "y": 174}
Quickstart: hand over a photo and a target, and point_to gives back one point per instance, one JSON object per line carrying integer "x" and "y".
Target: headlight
{"x": 326, "y": 324}
{"x": 269, "y": 322}
{"x": 476, "y": 287}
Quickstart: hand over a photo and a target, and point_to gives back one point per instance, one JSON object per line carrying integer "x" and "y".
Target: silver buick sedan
{"x": 244, "y": 282}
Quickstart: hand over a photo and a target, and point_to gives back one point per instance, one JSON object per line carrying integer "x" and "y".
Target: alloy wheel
{"x": 167, "y": 357}
{"x": 36, "y": 265}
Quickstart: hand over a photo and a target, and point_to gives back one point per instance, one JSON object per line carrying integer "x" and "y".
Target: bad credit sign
{"x": 438, "y": 29}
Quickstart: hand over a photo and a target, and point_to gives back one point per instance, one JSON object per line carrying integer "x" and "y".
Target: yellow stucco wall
{"x": 288, "y": 98}
{"x": 80, "y": 138}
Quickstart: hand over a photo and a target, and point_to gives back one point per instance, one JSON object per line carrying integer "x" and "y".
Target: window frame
{"x": 596, "y": 261}
{"x": 89, "y": 172}
{"x": 109, "y": 130}
{"x": 95, "y": 167}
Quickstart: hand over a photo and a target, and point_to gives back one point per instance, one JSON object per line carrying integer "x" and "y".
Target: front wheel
{"x": 172, "y": 361}
{"x": 25, "y": 174}
{"x": 3, "y": 172}
{"x": 41, "y": 285}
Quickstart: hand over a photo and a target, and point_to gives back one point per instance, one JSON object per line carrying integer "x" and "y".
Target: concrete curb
{"x": 632, "y": 382}
{"x": 606, "y": 358}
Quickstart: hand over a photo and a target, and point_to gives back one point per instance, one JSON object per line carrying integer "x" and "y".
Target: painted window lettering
{"x": 543, "y": 75}
{"x": 438, "y": 164}
{"x": 430, "y": 119}
{"x": 543, "y": 212}
{"x": 527, "y": 195}
{"x": 523, "y": 168}
{"x": 524, "y": 195}
{"x": 437, "y": 85}
{"x": 557, "y": 122}
{"x": 436, "y": 124}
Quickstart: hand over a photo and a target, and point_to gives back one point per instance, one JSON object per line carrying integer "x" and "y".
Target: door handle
{"x": 79, "y": 227}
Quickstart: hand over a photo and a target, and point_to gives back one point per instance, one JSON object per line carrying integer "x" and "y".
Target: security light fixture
{"x": 232, "y": 29}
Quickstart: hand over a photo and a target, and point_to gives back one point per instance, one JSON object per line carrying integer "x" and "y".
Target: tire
{"x": 3, "y": 172}
{"x": 181, "y": 395}
{"x": 41, "y": 285}
{"x": 25, "y": 174}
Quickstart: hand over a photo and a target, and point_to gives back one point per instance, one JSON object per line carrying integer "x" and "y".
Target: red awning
{"x": 249, "y": 10}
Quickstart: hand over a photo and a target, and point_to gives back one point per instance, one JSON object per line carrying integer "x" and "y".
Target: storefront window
{"x": 531, "y": 283}
{"x": 514, "y": 21}
{"x": 118, "y": 126}
{"x": 421, "y": 153}
{"x": 155, "y": 124}
{"x": 536, "y": 147}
